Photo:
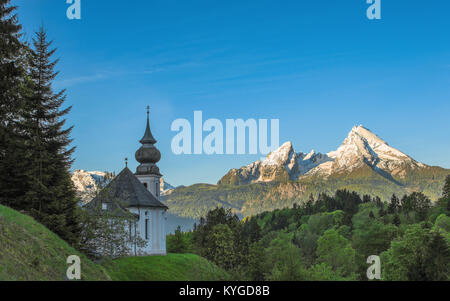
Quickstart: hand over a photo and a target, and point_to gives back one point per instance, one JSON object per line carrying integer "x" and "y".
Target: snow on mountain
{"x": 360, "y": 148}
{"x": 165, "y": 187}
{"x": 85, "y": 180}
{"x": 364, "y": 147}
{"x": 87, "y": 183}
{"x": 281, "y": 163}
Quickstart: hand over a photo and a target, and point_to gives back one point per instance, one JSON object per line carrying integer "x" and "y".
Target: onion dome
{"x": 148, "y": 155}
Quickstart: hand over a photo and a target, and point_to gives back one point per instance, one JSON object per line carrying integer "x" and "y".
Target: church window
{"x": 146, "y": 228}
{"x": 131, "y": 234}
{"x": 145, "y": 184}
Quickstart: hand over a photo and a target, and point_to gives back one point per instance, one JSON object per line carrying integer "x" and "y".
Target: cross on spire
{"x": 126, "y": 162}
{"x": 148, "y": 137}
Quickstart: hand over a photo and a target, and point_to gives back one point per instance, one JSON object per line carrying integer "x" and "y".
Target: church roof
{"x": 127, "y": 189}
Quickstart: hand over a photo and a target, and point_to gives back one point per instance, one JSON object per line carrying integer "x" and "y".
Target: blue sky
{"x": 318, "y": 66}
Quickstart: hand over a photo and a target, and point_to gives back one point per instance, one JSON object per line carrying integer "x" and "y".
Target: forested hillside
{"x": 250, "y": 199}
{"x": 329, "y": 238}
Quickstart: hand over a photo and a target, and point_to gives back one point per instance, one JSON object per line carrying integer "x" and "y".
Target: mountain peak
{"x": 310, "y": 155}
{"x": 360, "y": 149}
{"x": 286, "y": 145}
{"x": 281, "y": 155}
{"x": 365, "y": 134}
{"x": 363, "y": 147}
{"x": 357, "y": 127}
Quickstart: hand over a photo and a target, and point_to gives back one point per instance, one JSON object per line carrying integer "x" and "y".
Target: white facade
{"x": 151, "y": 227}
{"x": 152, "y": 183}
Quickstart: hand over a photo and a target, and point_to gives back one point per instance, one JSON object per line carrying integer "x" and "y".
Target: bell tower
{"x": 148, "y": 155}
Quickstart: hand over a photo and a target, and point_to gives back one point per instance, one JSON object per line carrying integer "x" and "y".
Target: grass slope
{"x": 29, "y": 251}
{"x": 173, "y": 267}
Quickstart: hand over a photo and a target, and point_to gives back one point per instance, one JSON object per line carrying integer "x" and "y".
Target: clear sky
{"x": 318, "y": 66}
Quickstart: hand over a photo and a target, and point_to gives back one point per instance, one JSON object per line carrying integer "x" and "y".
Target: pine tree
{"x": 178, "y": 243}
{"x": 437, "y": 259}
{"x": 11, "y": 70}
{"x": 393, "y": 205}
{"x": 13, "y": 168}
{"x": 50, "y": 190}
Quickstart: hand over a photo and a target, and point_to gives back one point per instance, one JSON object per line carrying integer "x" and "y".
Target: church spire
{"x": 148, "y": 155}
{"x": 148, "y": 137}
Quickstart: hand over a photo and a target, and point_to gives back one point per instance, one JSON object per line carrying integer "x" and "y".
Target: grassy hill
{"x": 29, "y": 251}
{"x": 173, "y": 267}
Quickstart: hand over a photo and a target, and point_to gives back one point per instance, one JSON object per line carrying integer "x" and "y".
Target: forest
{"x": 329, "y": 238}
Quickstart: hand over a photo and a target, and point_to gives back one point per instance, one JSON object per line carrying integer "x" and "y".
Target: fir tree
{"x": 178, "y": 243}
{"x": 50, "y": 190}
{"x": 394, "y": 204}
{"x": 367, "y": 198}
{"x": 12, "y": 70}
{"x": 437, "y": 259}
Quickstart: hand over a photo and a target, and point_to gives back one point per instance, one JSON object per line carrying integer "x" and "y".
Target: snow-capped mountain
{"x": 165, "y": 187}
{"x": 361, "y": 148}
{"x": 364, "y": 147}
{"x": 86, "y": 180}
{"x": 88, "y": 183}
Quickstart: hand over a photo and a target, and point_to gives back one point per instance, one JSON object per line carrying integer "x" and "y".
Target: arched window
{"x": 146, "y": 186}
{"x": 146, "y": 226}
{"x": 131, "y": 233}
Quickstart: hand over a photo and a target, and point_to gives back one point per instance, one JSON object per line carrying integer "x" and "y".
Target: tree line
{"x": 329, "y": 238}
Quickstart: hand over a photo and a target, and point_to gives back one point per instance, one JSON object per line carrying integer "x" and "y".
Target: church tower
{"x": 139, "y": 194}
{"x": 148, "y": 155}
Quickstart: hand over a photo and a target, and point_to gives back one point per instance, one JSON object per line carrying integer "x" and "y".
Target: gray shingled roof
{"x": 127, "y": 189}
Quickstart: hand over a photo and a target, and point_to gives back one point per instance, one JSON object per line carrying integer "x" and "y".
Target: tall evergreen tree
{"x": 437, "y": 259}
{"x": 178, "y": 242}
{"x": 50, "y": 190}
{"x": 12, "y": 72}
{"x": 394, "y": 204}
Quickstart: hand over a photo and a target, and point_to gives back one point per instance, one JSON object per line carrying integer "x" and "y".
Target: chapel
{"x": 138, "y": 195}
